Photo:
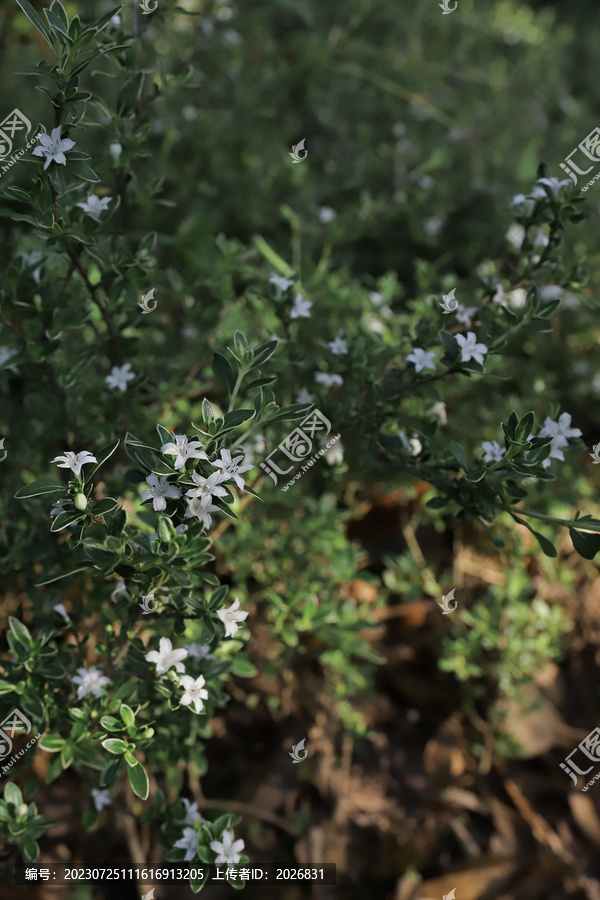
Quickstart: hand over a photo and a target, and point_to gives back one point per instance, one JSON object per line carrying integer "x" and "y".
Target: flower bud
{"x": 81, "y": 501}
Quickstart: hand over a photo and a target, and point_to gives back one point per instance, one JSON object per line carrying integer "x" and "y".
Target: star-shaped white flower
{"x": 230, "y": 617}
{"x": 493, "y": 452}
{"x": 194, "y": 692}
{"x": 119, "y": 376}
{"x": 94, "y": 206}
{"x": 228, "y": 851}
{"x": 53, "y": 147}
{"x": 560, "y": 432}
{"x": 189, "y": 843}
{"x": 191, "y": 812}
{"x": 199, "y": 651}
{"x": 183, "y": 449}
{"x": 120, "y": 591}
{"x": 160, "y": 490}
{"x": 207, "y": 488}
{"x": 422, "y": 359}
{"x": 230, "y": 468}
{"x": 165, "y": 657}
{"x": 90, "y": 682}
{"x": 301, "y": 308}
{"x": 470, "y": 349}
{"x": 281, "y": 283}
{"x": 303, "y": 396}
{"x": 334, "y": 454}
{"x": 203, "y": 513}
{"x": 74, "y": 461}
{"x": 329, "y": 380}
{"x": 101, "y": 799}
{"x": 464, "y": 314}
{"x": 338, "y": 346}
{"x": 553, "y": 184}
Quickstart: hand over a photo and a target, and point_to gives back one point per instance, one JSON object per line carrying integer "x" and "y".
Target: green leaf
{"x": 58, "y": 9}
{"x": 31, "y": 849}
{"x": 240, "y": 342}
{"x": 127, "y": 714}
{"x": 165, "y": 436}
{"x": 54, "y": 769}
{"x": 81, "y": 170}
{"x": 12, "y": 794}
{"x": 237, "y": 417}
{"x": 57, "y": 26}
{"x": 138, "y": 780}
{"x": 586, "y": 544}
{"x": 114, "y": 745}
{"x": 263, "y": 353}
{"x": 53, "y": 743}
{"x": 547, "y": 546}
{"x": 223, "y": 371}
{"x": 459, "y": 454}
{"x": 60, "y": 575}
{"x": 450, "y": 345}
{"x": 111, "y": 724}
{"x": 166, "y": 529}
{"x": 104, "y": 506}
{"x": 129, "y": 93}
{"x": 102, "y": 456}
{"x": 21, "y": 633}
{"x": 66, "y": 756}
{"x": 272, "y": 257}
{"x": 40, "y": 488}
{"x": 109, "y": 772}
{"x": 35, "y": 20}
{"x": 63, "y": 520}
{"x": 244, "y": 668}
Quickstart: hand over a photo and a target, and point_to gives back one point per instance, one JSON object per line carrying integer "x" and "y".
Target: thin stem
{"x": 571, "y": 523}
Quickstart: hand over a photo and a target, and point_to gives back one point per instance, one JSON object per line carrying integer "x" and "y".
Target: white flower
{"x": 115, "y": 150}
{"x": 191, "y": 812}
{"x": 374, "y": 324}
{"x": 58, "y": 508}
{"x": 120, "y": 591}
{"x": 515, "y": 235}
{"x": 119, "y": 377}
{"x": 207, "y": 488}
{"x": 203, "y": 513}
{"x": 181, "y": 529}
{"x": 499, "y": 296}
{"x": 560, "y": 432}
{"x": 326, "y": 214}
{"x": 194, "y": 691}
{"x": 301, "y": 308}
{"x": 230, "y": 468}
{"x": 281, "y": 283}
{"x": 470, "y": 349}
{"x": 376, "y": 298}
{"x": 329, "y": 380}
{"x": 183, "y": 449}
{"x": 90, "y": 682}
{"x": 464, "y": 314}
{"x": 115, "y": 21}
{"x": 303, "y": 396}
{"x": 61, "y": 610}
{"x": 31, "y": 258}
{"x": 189, "y": 843}
{"x": 540, "y": 239}
{"x": 439, "y": 410}
{"x": 6, "y": 354}
{"x": 335, "y": 454}
{"x": 523, "y": 205}
{"x": 159, "y": 490}
{"x": 94, "y": 206}
{"x": 433, "y": 225}
{"x": 413, "y": 446}
{"x": 493, "y": 452}
{"x": 165, "y": 657}
{"x": 553, "y": 184}
{"x": 339, "y": 346}
{"x": 74, "y": 461}
{"x": 53, "y": 147}
{"x": 101, "y": 799}
{"x": 422, "y": 359}
{"x": 518, "y": 297}
{"x": 230, "y": 617}
{"x": 199, "y": 651}
{"x": 228, "y": 851}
